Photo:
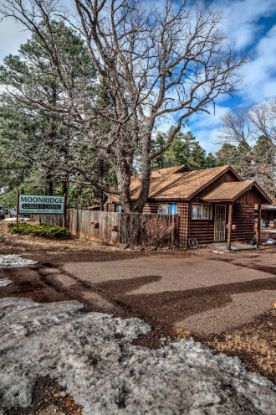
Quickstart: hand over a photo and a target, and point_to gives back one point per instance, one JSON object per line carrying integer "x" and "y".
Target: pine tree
{"x": 185, "y": 150}
{"x": 37, "y": 144}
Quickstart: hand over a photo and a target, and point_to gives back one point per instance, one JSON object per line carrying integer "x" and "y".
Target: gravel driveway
{"x": 204, "y": 294}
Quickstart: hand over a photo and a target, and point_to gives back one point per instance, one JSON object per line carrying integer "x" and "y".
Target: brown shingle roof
{"x": 169, "y": 170}
{"x": 227, "y": 191}
{"x": 230, "y": 191}
{"x": 169, "y": 184}
{"x": 178, "y": 185}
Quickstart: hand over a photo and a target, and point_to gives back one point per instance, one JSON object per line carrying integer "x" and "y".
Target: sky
{"x": 251, "y": 25}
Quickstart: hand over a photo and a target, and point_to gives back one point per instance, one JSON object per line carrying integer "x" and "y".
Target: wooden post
{"x": 17, "y": 208}
{"x": 64, "y": 213}
{"x": 229, "y": 226}
{"x": 258, "y": 233}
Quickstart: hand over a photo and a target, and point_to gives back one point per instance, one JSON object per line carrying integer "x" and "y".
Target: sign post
{"x": 17, "y": 208}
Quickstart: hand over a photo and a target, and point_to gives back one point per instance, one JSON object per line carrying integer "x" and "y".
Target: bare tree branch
{"x": 167, "y": 59}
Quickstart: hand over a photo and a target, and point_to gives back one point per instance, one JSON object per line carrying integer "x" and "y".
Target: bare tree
{"x": 171, "y": 60}
{"x": 253, "y": 132}
{"x": 263, "y": 120}
{"x": 237, "y": 128}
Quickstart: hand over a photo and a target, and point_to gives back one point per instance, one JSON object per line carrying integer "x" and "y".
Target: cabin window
{"x": 167, "y": 208}
{"x": 202, "y": 211}
{"x": 119, "y": 208}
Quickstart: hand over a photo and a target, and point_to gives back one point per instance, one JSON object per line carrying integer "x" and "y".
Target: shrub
{"x": 158, "y": 231}
{"x": 38, "y": 230}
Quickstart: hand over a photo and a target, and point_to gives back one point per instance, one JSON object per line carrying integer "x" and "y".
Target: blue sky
{"x": 251, "y": 25}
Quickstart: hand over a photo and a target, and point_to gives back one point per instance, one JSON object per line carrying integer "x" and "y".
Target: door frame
{"x": 225, "y": 208}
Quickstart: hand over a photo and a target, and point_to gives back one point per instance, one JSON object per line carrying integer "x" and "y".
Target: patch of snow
{"x": 92, "y": 357}
{"x": 14, "y": 261}
{"x": 270, "y": 242}
{"x": 4, "y": 282}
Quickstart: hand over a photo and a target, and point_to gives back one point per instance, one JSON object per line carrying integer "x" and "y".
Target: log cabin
{"x": 213, "y": 205}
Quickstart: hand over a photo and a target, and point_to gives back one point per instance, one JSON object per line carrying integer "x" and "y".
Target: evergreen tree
{"x": 263, "y": 150}
{"x": 185, "y": 150}
{"x": 38, "y": 143}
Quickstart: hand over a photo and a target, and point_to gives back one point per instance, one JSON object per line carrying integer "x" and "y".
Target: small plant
{"x": 38, "y": 230}
{"x": 158, "y": 231}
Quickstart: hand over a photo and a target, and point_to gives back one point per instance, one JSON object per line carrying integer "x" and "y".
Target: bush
{"x": 38, "y": 230}
{"x": 159, "y": 231}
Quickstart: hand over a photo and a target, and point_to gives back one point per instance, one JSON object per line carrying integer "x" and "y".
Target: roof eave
{"x": 227, "y": 168}
{"x": 263, "y": 193}
{"x": 218, "y": 200}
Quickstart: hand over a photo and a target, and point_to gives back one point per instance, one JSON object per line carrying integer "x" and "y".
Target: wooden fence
{"x": 132, "y": 229}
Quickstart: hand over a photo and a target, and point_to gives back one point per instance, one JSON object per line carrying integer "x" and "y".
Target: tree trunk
{"x": 124, "y": 178}
{"x": 64, "y": 187}
{"x": 102, "y": 193}
{"x": 145, "y": 176}
{"x": 49, "y": 188}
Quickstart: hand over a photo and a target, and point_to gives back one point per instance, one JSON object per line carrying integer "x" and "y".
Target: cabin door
{"x": 219, "y": 223}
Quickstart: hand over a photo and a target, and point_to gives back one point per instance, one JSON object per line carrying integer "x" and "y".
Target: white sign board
{"x": 31, "y": 204}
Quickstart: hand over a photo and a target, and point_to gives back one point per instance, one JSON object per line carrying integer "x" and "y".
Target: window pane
{"x": 205, "y": 212}
{"x": 162, "y": 208}
{"x": 172, "y": 208}
{"x": 201, "y": 211}
{"x": 194, "y": 212}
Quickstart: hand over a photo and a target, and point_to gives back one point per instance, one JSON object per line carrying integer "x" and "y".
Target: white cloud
{"x": 240, "y": 18}
{"x": 260, "y": 72}
{"x": 12, "y": 35}
{"x": 208, "y": 139}
{"x": 241, "y": 23}
{"x": 206, "y": 127}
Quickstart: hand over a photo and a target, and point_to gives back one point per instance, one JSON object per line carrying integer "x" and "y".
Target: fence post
{"x": 17, "y": 208}
{"x": 65, "y": 211}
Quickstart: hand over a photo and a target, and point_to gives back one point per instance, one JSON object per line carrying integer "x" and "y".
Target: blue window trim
{"x": 168, "y": 208}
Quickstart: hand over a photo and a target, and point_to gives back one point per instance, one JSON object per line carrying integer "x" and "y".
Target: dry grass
{"x": 181, "y": 332}
{"x": 254, "y": 344}
{"x": 39, "y": 243}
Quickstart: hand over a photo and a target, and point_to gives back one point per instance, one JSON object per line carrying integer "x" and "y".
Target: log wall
{"x": 151, "y": 207}
{"x": 243, "y": 218}
{"x": 202, "y": 230}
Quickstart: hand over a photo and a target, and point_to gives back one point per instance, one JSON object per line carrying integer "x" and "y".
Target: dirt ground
{"x": 223, "y": 300}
